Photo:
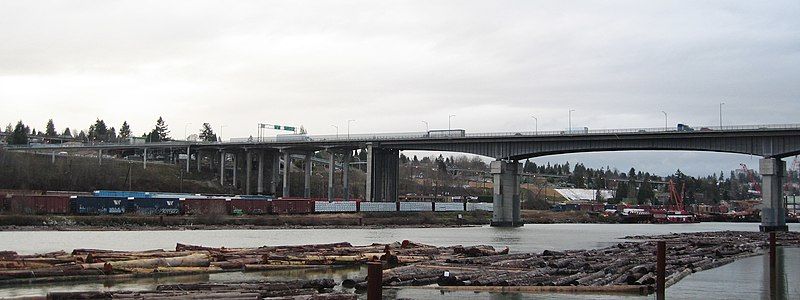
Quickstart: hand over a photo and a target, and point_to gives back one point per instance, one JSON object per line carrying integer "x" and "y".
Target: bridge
{"x": 771, "y": 142}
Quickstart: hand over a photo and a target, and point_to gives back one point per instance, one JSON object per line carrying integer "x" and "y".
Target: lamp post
{"x": 337, "y": 131}
{"x": 448, "y": 121}
{"x": 536, "y": 130}
{"x": 348, "y": 128}
{"x": 570, "y": 120}
{"x": 427, "y": 128}
{"x": 720, "y": 114}
{"x": 185, "y": 134}
{"x": 666, "y": 127}
{"x": 221, "y": 128}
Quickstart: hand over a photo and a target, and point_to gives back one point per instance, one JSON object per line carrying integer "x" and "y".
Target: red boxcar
{"x": 36, "y": 204}
{"x": 198, "y": 206}
{"x": 250, "y": 206}
{"x": 292, "y": 206}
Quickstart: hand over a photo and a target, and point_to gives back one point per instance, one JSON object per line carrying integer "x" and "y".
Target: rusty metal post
{"x": 772, "y": 250}
{"x": 661, "y": 266}
{"x": 374, "y": 280}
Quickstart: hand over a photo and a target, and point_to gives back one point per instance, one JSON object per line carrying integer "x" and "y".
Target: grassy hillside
{"x": 29, "y": 171}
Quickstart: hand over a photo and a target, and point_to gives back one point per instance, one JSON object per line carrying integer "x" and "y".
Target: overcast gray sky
{"x": 391, "y": 64}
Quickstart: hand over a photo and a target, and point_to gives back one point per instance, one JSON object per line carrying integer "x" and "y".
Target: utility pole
{"x": 427, "y": 128}
{"x": 337, "y": 131}
{"x": 221, "y": 127}
{"x": 448, "y": 123}
{"x": 185, "y": 133}
{"x": 536, "y": 130}
{"x": 666, "y": 127}
{"x": 720, "y": 114}
{"x": 348, "y": 128}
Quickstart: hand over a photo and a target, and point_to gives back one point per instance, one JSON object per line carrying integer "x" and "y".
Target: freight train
{"x": 155, "y": 203}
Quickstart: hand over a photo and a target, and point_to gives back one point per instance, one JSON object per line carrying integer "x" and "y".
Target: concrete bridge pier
{"x": 274, "y": 173}
{"x": 222, "y": 167}
{"x": 144, "y": 158}
{"x": 506, "y": 193}
{"x": 307, "y": 166}
{"x": 248, "y": 165}
{"x": 382, "y": 174}
{"x": 346, "y": 174}
{"x": 331, "y": 172}
{"x": 260, "y": 184}
{"x": 773, "y": 212}
{"x": 287, "y": 167}
{"x": 198, "y": 156}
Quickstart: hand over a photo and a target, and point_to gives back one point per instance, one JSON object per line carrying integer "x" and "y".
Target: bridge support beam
{"x": 222, "y": 167}
{"x": 198, "y": 156}
{"x": 236, "y": 160}
{"x": 345, "y": 174}
{"x": 100, "y": 157}
{"x": 773, "y": 213}
{"x": 287, "y": 168}
{"x": 382, "y": 174}
{"x": 248, "y": 164}
{"x": 274, "y": 173}
{"x": 331, "y": 172}
{"x": 506, "y": 193}
{"x": 307, "y": 176}
{"x": 144, "y": 158}
{"x": 260, "y": 186}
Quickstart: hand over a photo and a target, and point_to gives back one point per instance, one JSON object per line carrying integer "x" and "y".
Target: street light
{"x": 720, "y": 114}
{"x": 427, "y": 128}
{"x": 348, "y": 128}
{"x": 537, "y": 124}
{"x": 666, "y": 127}
{"x": 448, "y": 121}
{"x": 221, "y": 127}
{"x": 570, "y": 120}
{"x": 337, "y": 131}
{"x": 185, "y": 135}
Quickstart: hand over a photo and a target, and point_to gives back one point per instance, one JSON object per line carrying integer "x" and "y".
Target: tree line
{"x": 98, "y": 132}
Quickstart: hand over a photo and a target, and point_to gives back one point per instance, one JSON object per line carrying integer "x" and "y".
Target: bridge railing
{"x": 419, "y": 135}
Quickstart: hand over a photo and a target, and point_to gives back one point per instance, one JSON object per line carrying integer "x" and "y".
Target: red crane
{"x": 756, "y": 186}
{"x": 676, "y": 197}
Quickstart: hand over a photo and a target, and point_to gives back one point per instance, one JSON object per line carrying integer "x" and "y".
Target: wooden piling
{"x": 661, "y": 266}
{"x": 374, "y": 280}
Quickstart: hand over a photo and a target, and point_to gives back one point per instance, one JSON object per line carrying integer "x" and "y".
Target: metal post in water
{"x": 374, "y": 280}
{"x": 772, "y": 253}
{"x": 661, "y": 262}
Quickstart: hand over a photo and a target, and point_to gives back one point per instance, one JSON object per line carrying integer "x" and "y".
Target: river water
{"x": 743, "y": 279}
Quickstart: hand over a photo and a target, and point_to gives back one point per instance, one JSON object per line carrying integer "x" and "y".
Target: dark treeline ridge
{"x": 98, "y": 132}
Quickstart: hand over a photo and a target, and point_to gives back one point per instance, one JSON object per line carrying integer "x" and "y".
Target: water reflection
{"x": 775, "y": 279}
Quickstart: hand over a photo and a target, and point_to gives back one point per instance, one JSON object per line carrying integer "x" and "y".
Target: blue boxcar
{"x": 123, "y": 194}
{"x": 100, "y": 205}
{"x": 154, "y": 206}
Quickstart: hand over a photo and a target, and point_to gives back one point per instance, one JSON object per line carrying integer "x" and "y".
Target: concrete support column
{"x": 235, "y": 167}
{"x": 144, "y": 158}
{"x": 188, "y": 158}
{"x": 345, "y": 174}
{"x": 506, "y": 193}
{"x": 260, "y": 186}
{"x": 275, "y": 173}
{"x": 198, "y": 156}
{"x": 331, "y": 172}
{"x": 773, "y": 212}
{"x": 307, "y": 175}
{"x": 248, "y": 164}
{"x": 222, "y": 167}
{"x": 371, "y": 161}
{"x": 287, "y": 168}
{"x": 392, "y": 174}
{"x": 100, "y": 157}
{"x": 53, "y": 158}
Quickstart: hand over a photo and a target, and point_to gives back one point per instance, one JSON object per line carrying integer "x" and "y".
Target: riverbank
{"x": 220, "y": 222}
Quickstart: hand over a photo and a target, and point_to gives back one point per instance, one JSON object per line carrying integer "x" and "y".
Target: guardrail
{"x": 422, "y": 136}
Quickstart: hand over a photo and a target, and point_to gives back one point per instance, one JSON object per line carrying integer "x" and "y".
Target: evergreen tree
{"x": 112, "y": 135}
{"x": 124, "y": 131}
{"x": 622, "y": 190}
{"x": 207, "y": 134}
{"x": 160, "y": 133}
{"x": 50, "y": 128}
{"x": 82, "y": 136}
{"x": 19, "y": 136}
{"x": 9, "y": 128}
{"x": 67, "y": 132}
{"x": 98, "y": 132}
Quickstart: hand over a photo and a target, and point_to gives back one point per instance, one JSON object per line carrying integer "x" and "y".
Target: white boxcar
{"x": 335, "y": 206}
{"x": 378, "y": 206}
{"x": 448, "y": 206}
{"x": 416, "y": 206}
{"x": 480, "y": 206}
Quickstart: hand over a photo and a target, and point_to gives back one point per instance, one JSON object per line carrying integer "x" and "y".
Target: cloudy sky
{"x": 392, "y": 64}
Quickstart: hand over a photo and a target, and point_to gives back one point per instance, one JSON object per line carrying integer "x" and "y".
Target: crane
{"x": 756, "y": 186}
{"x": 677, "y": 197}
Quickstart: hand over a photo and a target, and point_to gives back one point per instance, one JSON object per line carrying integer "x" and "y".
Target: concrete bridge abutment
{"x": 506, "y": 177}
